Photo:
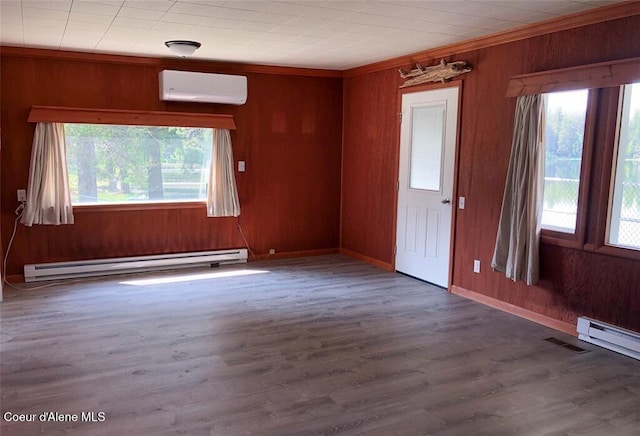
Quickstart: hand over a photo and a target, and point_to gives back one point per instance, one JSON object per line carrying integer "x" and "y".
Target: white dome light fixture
{"x": 183, "y": 48}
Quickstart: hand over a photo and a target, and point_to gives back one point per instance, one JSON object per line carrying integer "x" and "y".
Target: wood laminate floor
{"x": 316, "y": 346}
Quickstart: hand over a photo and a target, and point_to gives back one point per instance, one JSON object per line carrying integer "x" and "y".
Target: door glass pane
{"x": 624, "y": 215}
{"x": 427, "y": 141}
{"x": 565, "y": 116}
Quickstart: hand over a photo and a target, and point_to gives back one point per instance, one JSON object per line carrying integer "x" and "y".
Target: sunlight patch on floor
{"x": 192, "y": 277}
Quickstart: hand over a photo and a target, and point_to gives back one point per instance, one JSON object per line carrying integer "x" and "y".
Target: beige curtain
{"x": 48, "y": 196}
{"x": 222, "y": 195}
{"x": 517, "y": 243}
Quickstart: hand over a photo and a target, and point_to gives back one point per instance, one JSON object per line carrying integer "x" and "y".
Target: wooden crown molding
{"x": 52, "y": 114}
{"x": 580, "y": 19}
{"x": 169, "y": 63}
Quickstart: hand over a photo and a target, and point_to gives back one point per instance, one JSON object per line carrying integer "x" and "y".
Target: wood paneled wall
{"x": 370, "y": 164}
{"x": 574, "y": 282}
{"x": 288, "y": 132}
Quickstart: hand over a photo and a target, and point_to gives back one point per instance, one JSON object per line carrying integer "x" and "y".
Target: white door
{"x": 425, "y": 186}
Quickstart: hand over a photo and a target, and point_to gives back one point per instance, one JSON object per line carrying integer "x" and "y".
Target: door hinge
{"x": 398, "y": 185}
{"x": 395, "y": 250}
{"x": 400, "y": 117}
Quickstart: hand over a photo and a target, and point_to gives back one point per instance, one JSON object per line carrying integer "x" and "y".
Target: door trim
{"x": 454, "y": 199}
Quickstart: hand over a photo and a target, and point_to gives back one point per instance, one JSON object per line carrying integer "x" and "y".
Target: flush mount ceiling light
{"x": 183, "y": 48}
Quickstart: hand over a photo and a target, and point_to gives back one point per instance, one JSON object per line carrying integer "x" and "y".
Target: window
{"x": 624, "y": 209}
{"x": 115, "y": 164}
{"x": 564, "y": 131}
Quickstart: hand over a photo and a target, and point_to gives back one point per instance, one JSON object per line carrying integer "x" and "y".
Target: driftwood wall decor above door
{"x": 438, "y": 73}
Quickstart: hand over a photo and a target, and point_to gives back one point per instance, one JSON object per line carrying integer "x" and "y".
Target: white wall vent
{"x": 609, "y": 336}
{"x": 202, "y": 87}
{"x": 121, "y": 265}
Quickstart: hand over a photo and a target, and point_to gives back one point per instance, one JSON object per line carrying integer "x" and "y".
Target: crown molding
{"x": 192, "y": 64}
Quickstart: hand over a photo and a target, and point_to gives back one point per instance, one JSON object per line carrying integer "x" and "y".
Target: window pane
{"x": 427, "y": 141}
{"x": 133, "y": 164}
{"x": 565, "y": 118}
{"x": 624, "y": 216}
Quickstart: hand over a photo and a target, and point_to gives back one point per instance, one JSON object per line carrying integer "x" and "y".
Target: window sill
{"x": 137, "y": 206}
{"x": 560, "y": 239}
{"x": 606, "y": 250}
{"x": 627, "y": 253}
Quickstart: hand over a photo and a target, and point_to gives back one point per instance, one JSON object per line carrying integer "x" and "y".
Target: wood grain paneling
{"x": 288, "y": 132}
{"x": 370, "y": 164}
{"x": 573, "y": 282}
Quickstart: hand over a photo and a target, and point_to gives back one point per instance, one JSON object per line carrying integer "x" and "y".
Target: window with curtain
{"x": 591, "y": 196}
{"x": 126, "y": 157}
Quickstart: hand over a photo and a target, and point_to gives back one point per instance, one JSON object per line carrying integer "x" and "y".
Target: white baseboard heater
{"x": 609, "y": 336}
{"x": 121, "y": 265}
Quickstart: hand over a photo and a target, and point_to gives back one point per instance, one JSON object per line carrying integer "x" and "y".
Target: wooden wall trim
{"x": 54, "y": 114}
{"x": 600, "y": 75}
{"x": 300, "y": 253}
{"x": 592, "y": 16}
{"x": 521, "y": 312}
{"x": 185, "y": 64}
{"x": 370, "y": 260}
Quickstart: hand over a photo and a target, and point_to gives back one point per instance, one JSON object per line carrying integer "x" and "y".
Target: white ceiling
{"x": 334, "y": 34}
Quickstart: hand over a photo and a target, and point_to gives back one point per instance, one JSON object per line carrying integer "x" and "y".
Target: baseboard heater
{"x": 609, "y": 336}
{"x": 121, "y": 265}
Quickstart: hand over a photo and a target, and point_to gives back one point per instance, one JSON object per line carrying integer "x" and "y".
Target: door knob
{"x": 446, "y": 201}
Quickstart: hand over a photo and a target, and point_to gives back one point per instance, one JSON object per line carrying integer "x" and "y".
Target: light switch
{"x": 461, "y": 203}
{"x": 241, "y": 166}
{"x": 476, "y": 266}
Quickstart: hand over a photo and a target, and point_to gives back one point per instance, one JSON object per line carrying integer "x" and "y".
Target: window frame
{"x": 605, "y": 188}
{"x": 576, "y": 238}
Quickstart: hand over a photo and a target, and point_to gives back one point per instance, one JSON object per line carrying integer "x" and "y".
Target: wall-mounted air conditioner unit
{"x": 202, "y": 87}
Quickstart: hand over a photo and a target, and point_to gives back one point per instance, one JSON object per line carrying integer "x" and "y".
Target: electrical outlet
{"x": 22, "y": 195}
{"x": 476, "y": 266}
{"x": 272, "y": 251}
{"x": 461, "y": 203}
{"x": 241, "y": 166}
